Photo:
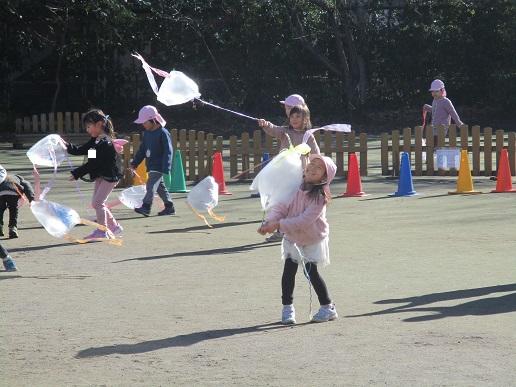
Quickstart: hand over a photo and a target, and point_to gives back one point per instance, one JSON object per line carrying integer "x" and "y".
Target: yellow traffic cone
{"x": 464, "y": 181}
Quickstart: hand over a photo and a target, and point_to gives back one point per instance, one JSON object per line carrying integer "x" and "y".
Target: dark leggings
{"x": 10, "y": 202}
{"x": 3, "y": 252}
{"x": 288, "y": 281}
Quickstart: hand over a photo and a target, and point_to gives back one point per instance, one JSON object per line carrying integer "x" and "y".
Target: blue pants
{"x": 155, "y": 184}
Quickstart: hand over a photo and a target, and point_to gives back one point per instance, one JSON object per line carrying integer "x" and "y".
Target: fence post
{"x": 76, "y": 122}
{"x": 512, "y": 153}
{"x": 257, "y": 150}
{"x": 233, "y": 156}
{"x": 209, "y": 153}
{"x": 488, "y": 151}
{"x": 475, "y": 133}
{"x": 429, "y": 134}
{"x": 26, "y": 124}
{"x": 19, "y": 125}
{"x": 192, "y": 175}
{"x": 220, "y": 144}
{"x": 328, "y": 139}
{"x": 418, "y": 151}
{"x": 51, "y": 123}
{"x": 339, "y": 139}
{"x": 363, "y": 154}
{"x": 385, "y": 153}
{"x": 35, "y": 128}
{"x": 183, "y": 147}
{"x": 200, "y": 158}
{"x": 499, "y": 146}
{"x": 174, "y": 138}
{"x": 245, "y": 153}
{"x": 441, "y": 141}
{"x": 60, "y": 123}
{"x": 68, "y": 122}
{"x": 395, "y": 152}
{"x": 464, "y": 137}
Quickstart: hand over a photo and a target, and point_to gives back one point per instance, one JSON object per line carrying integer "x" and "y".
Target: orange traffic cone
{"x": 504, "y": 178}
{"x": 354, "y": 186}
{"x": 218, "y": 173}
{"x": 464, "y": 181}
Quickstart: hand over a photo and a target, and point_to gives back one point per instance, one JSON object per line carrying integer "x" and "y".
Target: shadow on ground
{"x": 179, "y": 341}
{"x": 481, "y": 307}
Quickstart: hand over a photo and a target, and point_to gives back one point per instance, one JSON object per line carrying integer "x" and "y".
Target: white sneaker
{"x": 288, "y": 315}
{"x": 326, "y": 313}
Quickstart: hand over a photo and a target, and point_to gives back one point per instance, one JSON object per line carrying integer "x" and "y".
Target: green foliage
{"x": 345, "y": 56}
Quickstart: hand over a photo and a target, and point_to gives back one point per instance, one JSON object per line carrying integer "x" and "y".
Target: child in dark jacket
{"x": 12, "y": 188}
{"x": 156, "y": 148}
{"x": 102, "y": 167}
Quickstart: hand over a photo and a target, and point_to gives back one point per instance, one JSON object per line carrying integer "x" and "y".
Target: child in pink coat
{"x": 303, "y": 222}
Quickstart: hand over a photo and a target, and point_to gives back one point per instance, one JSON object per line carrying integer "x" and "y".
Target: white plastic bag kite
{"x": 132, "y": 197}
{"x": 59, "y": 221}
{"x": 279, "y": 180}
{"x": 177, "y": 88}
{"x": 50, "y": 151}
{"x": 204, "y": 197}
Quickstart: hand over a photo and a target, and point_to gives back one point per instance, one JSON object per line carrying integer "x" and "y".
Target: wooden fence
{"x": 243, "y": 154}
{"x": 30, "y": 129}
{"x": 480, "y": 143}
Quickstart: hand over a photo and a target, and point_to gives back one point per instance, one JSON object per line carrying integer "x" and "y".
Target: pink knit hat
{"x": 331, "y": 170}
{"x": 148, "y": 113}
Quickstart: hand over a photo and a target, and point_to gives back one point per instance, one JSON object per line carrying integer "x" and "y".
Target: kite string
{"x": 227, "y": 110}
{"x": 307, "y": 275}
{"x": 78, "y": 189}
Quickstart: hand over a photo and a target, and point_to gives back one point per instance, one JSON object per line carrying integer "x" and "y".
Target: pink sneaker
{"x": 117, "y": 230}
{"x": 98, "y": 234}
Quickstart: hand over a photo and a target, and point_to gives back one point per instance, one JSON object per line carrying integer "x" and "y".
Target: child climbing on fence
{"x": 156, "y": 149}
{"x": 442, "y": 109}
{"x": 13, "y": 188}
{"x": 103, "y": 166}
{"x": 303, "y": 221}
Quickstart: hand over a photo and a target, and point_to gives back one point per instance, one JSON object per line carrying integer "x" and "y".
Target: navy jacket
{"x": 156, "y": 149}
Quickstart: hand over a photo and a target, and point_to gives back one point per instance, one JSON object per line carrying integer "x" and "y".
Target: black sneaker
{"x": 13, "y": 232}
{"x": 143, "y": 210}
{"x": 168, "y": 210}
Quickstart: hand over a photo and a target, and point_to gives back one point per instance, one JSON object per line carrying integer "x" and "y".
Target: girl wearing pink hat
{"x": 303, "y": 222}
{"x": 442, "y": 109}
{"x": 156, "y": 149}
{"x": 299, "y": 122}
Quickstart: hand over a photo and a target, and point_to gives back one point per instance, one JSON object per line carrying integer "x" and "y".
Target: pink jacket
{"x": 295, "y": 136}
{"x": 303, "y": 220}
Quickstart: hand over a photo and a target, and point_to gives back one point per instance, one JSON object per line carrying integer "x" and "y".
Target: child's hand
{"x": 263, "y": 123}
{"x": 269, "y": 227}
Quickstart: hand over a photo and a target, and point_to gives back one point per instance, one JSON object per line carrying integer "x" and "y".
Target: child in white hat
{"x": 442, "y": 109}
{"x": 156, "y": 149}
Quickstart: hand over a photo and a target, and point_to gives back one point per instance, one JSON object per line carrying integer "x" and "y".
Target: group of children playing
{"x": 300, "y": 225}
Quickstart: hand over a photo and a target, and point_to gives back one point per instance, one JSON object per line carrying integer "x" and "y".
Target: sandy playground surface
{"x": 425, "y": 288}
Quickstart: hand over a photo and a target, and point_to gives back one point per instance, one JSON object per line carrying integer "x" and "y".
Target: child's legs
{"x": 288, "y": 282}
{"x": 152, "y": 186}
{"x": 12, "y": 204}
{"x": 318, "y": 283}
{"x": 3, "y": 252}
{"x": 163, "y": 193}
{"x": 102, "y": 190}
{"x": 3, "y": 206}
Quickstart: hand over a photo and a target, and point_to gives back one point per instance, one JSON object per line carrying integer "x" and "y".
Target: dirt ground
{"x": 425, "y": 288}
